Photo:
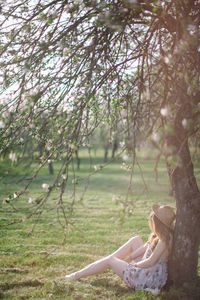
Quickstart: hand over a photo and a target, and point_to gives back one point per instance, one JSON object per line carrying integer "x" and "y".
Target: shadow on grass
{"x": 9, "y": 286}
{"x": 189, "y": 291}
{"x": 29, "y": 283}
{"x": 115, "y": 288}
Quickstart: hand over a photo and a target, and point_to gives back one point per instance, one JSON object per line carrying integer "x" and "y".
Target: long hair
{"x": 159, "y": 232}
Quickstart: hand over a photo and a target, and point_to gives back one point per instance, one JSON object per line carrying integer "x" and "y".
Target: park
{"x": 35, "y": 259}
{"x": 99, "y": 120}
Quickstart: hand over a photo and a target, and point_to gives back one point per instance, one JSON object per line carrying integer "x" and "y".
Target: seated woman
{"x": 147, "y": 269}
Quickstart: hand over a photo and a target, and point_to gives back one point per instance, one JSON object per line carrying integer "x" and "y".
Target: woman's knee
{"x": 117, "y": 265}
{"x": 110, "y": 260}
{"x": 136, "y": 238}
{"x": 136, "y": 241}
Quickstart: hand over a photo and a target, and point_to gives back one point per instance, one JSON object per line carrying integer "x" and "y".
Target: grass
{"x": 33, "y": 265}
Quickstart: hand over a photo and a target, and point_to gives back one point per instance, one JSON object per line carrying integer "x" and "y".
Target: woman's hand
{"x": 151, "y": 261}
{"x": 135, "y": 265}
{"x": 128, "y": 259}
{"x": 137, "y": 254}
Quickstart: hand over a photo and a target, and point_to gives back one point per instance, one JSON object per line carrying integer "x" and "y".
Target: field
{"x": 33, "y": 263}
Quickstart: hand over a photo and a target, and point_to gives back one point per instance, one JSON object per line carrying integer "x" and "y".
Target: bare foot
{"x": 72, "y": 276}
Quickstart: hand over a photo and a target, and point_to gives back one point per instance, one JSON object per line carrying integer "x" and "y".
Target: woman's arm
{"x": 139, "y": 252}
{"x": 150, "y": 261}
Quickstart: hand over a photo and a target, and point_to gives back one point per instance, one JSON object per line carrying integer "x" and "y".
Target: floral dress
{"x": 149, "y": 279}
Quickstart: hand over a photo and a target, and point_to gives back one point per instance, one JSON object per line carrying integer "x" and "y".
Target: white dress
{"x": 149, "y": 279}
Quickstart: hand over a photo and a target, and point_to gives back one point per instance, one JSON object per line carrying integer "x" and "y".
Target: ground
{"x": 34, "y": 261}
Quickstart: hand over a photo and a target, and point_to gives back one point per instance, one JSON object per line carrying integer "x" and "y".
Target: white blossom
{"x": 65, "y": 51}
{"x": 166, "y": 59}
{"x": 13, "y": 157}
{"x": 96, "y": 168}
{"x": 45, "y": 186}
{"x": 34, "y": 91}
{"x": 77, "y": 2}
{"x": 30, "y": 200}
{"x": 122, "y": 144}
{"x": 125, "y": 157}
{"x": 2, "y": 125}
{"x": 191, "y": 29}
{"x": 164, "y": 111}
{"x": 156, "y": 137}
{"x": 184, "y": 123}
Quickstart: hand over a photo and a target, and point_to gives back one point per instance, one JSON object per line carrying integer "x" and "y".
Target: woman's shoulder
{"x": 161, "y": 245}
{"x": 165, "y": 250}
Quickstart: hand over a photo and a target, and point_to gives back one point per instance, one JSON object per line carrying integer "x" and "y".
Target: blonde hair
{"x": 159, "y": 232}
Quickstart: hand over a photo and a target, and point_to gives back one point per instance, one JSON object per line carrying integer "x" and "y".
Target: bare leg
{"x": 112, "y": 261}
{"x": 133, "y": 244}
{"x": 100, "y": 266}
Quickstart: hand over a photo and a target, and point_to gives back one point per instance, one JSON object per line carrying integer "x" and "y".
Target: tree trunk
{"x": 78, "y": 160}
{"x": 51, "y": 171}
{"x": 184, "y": 258}
{"x": 105, "y": 154}
{"x": 115, "y": 147}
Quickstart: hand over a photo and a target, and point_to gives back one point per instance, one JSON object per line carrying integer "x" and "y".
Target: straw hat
{"x": 165, "y": 214}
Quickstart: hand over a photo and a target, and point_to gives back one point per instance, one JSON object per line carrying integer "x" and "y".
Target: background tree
{"x": 79, "y": 63}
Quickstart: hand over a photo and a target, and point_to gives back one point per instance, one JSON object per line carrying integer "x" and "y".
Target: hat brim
{"x": 155, "y": 209}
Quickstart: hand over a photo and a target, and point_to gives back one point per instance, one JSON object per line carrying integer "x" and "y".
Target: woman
{"x": 148, "y": 267}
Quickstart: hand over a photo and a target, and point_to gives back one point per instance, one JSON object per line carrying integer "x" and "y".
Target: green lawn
{"x": 33, "y": 265}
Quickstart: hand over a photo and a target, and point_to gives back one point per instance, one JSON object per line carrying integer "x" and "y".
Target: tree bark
{"x": 184, "y": 258}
